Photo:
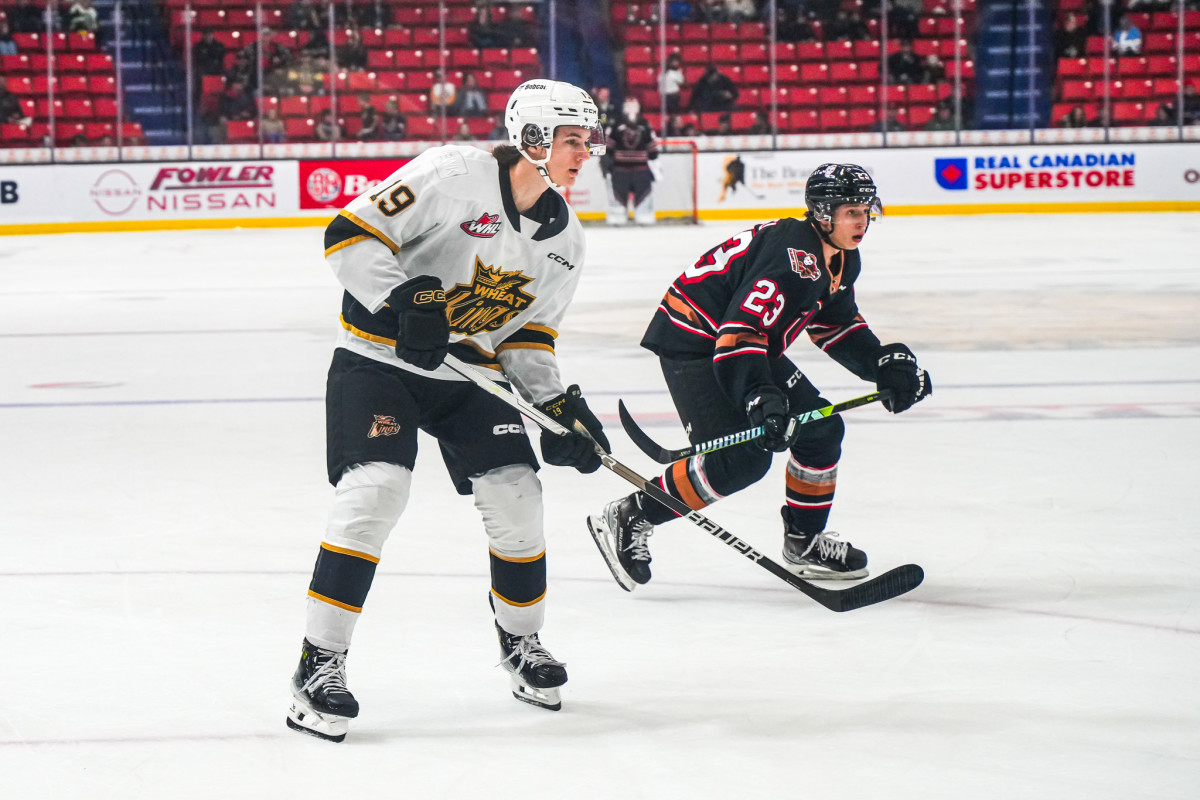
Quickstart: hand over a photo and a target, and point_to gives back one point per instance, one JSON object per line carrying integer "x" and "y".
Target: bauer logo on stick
{"x": 804, "y": 264}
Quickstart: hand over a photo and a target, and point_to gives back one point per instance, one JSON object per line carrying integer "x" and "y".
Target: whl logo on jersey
{"x": 487, "y": 226}
{"x": 486, "y": 304}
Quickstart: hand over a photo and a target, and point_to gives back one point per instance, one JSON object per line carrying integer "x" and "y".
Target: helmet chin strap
{"x": 540, "y": 165}
{"x": 827, "y": 237}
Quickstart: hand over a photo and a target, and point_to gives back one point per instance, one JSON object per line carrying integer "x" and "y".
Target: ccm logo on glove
{"x": 899, "y": 379}
{"x": 423, "y": 338}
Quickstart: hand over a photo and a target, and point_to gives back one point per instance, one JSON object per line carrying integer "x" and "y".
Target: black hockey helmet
{"x": 833, "y": 185}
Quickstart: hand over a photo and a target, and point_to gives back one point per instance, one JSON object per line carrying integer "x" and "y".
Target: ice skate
{"x": 322, "y": 706}
{"x": 620, "y": 531}
{"x": 536, "y": 676}
{"x": 822, "y": 556}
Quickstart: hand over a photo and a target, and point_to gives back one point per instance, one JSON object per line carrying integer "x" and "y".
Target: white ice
{"x": 163, "y": 493}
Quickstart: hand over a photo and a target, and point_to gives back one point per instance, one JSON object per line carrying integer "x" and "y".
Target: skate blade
{"x": 548, "y": 699}
{"x": 323, "y": 726}
{"x": 600, "y": 535}
{"x": 812, "y": 572}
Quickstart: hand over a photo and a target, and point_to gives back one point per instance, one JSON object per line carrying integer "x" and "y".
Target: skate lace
{"x": 829, "y": 548}
{"x": 529, "y": 650}
{"x": 329, "y": 676}
{"x": 638, "y": 546}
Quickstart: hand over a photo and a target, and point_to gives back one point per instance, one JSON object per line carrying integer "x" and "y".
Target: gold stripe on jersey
{"x": 530, "y": 337}
{"x": 370, "y": 337}
{"x": 378, "y": 234}
{"x": 346, "y": 243}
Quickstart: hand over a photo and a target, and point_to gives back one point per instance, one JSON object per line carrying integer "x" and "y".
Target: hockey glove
{"x": 898, "y": 376}
{"x": 423, "y": 338}
{"x": 575, "y": 449}
{"x": 768, "y": 407}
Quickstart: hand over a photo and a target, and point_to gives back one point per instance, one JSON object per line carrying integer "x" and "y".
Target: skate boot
{"x": 321, "y": 704}
{"x": 536, "y": 676}
{"x": 822, "y": 556}
{"x": 620, "y": 531}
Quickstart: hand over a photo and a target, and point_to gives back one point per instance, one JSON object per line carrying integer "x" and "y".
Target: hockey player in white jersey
{"x": 472, "y": 253}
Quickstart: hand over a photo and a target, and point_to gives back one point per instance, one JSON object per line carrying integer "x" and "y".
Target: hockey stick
{"x": 891, "y": 584}
{"x": 664, "y": 456}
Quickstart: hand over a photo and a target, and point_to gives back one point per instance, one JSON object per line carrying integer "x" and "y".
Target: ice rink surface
{"x": 163, "y": 496}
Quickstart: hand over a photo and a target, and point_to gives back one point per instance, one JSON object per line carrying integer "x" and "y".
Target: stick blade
{"x": 892, "y": 583}
{"x": 639, "y": 437}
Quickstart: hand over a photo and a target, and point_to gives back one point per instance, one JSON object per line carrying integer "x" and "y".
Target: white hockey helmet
{"x": 538, "y": 107}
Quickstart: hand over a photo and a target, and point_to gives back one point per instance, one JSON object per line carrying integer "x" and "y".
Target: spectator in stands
{"x": 903, "y": 65}
{"x": 942, "y": 119}
{"x": 79, "y": 140}
{"x": 1165, "y": 114}
{"x": 472, "y": 100}
{"x": 318, "y": 47}
{"x": 394, "y": 126}
{"x": 483, "y": 31}
{"x": 889, "y": 123}
{"x": 932, "y": 69}
{"x": 724, "y": 125}
{"x": 902, "y": 18}
{"x": 305, "y": 17}
{"x": 304, "y": 77}
{"x": 1191, "y": 104}
{"x": 463, "y": 134}
{"x": 681, "y": 11}
{"x": 208, "y": 55}
{"x": 272, "y": 127}
{"x": 372, "y": 123}
{"x": 10, "y": 107}
{"x": 792, "y": 25}
{"x": 741, "y": 10}
{"x": 1070, "y": 41}
{"x": 82, "y": 18}
{"x": 25, "y": 17}
{"x": 605, "y": 110}
{"x": 370, "y": 14}
{"x": 671, "y": 82}
{"x": 236, "y": 103}
{"x": 1103, "y": 118}
{"x": 715, "y": 91}
{"x": 353, "y": 54}
{"x": 761, "y": 124}
{"x": 443, "y": 94}
{"x": 499, "y": 132}
{"x": 8, "y": 47}
{"x": 711, "y": 11}
{"x": 244, "y": 69}
{"x": 846, "y": 26}
{"x": 1127, "y": 41}
{"x": 328, "y": 129}
{"x": 1075, "y": 118}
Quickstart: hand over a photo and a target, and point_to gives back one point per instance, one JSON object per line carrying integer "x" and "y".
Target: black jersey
{"x": 631, "y": 144}
{"x": 747, "y": 299}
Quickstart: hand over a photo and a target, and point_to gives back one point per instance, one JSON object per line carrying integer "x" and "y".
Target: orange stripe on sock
{"x": 683, "y": 485}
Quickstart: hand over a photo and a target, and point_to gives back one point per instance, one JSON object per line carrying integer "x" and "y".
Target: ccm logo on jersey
{"x": 804, "y": 264}
{"x": 561, "y": 260}
{"x": 485, "y": 227}
{"x": 513, "y": 427}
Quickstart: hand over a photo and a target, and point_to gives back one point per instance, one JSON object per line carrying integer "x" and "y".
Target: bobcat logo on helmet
{"x": 487, "y": 226}
{"x": 804, "y": 264}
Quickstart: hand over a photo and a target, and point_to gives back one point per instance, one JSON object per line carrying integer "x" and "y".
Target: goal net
{"x": 675, "y": 189}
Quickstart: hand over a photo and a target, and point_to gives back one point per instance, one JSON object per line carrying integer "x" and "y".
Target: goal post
{"x": 675, "y": 181}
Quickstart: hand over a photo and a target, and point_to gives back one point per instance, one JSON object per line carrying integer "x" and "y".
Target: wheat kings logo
{"x": 486, "y": 304}
{"x": 383, "y": 426}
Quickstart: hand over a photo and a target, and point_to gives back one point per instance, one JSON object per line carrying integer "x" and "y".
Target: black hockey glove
{"x": 768, "y": 407}
{"x": 423, "y": 338}
{"x": 897, "y": 374}
{"x": 574, "y": 450}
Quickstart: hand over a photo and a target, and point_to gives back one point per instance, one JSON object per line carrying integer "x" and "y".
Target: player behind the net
{"x": 720, "y": 334}
{"x": 472, "y": 253}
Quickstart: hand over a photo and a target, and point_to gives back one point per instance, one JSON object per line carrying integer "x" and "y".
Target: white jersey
{"x": 508, "y": 277}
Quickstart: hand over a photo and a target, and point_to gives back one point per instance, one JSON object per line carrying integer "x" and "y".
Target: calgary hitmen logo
{"x": 804, "y": 264}
{"x": 487, "y": 226}
{"x": 491, "y": 299}
{"x": 384, "y": 426}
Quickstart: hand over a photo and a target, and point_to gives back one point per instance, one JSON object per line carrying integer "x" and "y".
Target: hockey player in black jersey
{"x": 631, "y": 146}
{"x": 474, "y": 254}
{"x": 720, "y": 334}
